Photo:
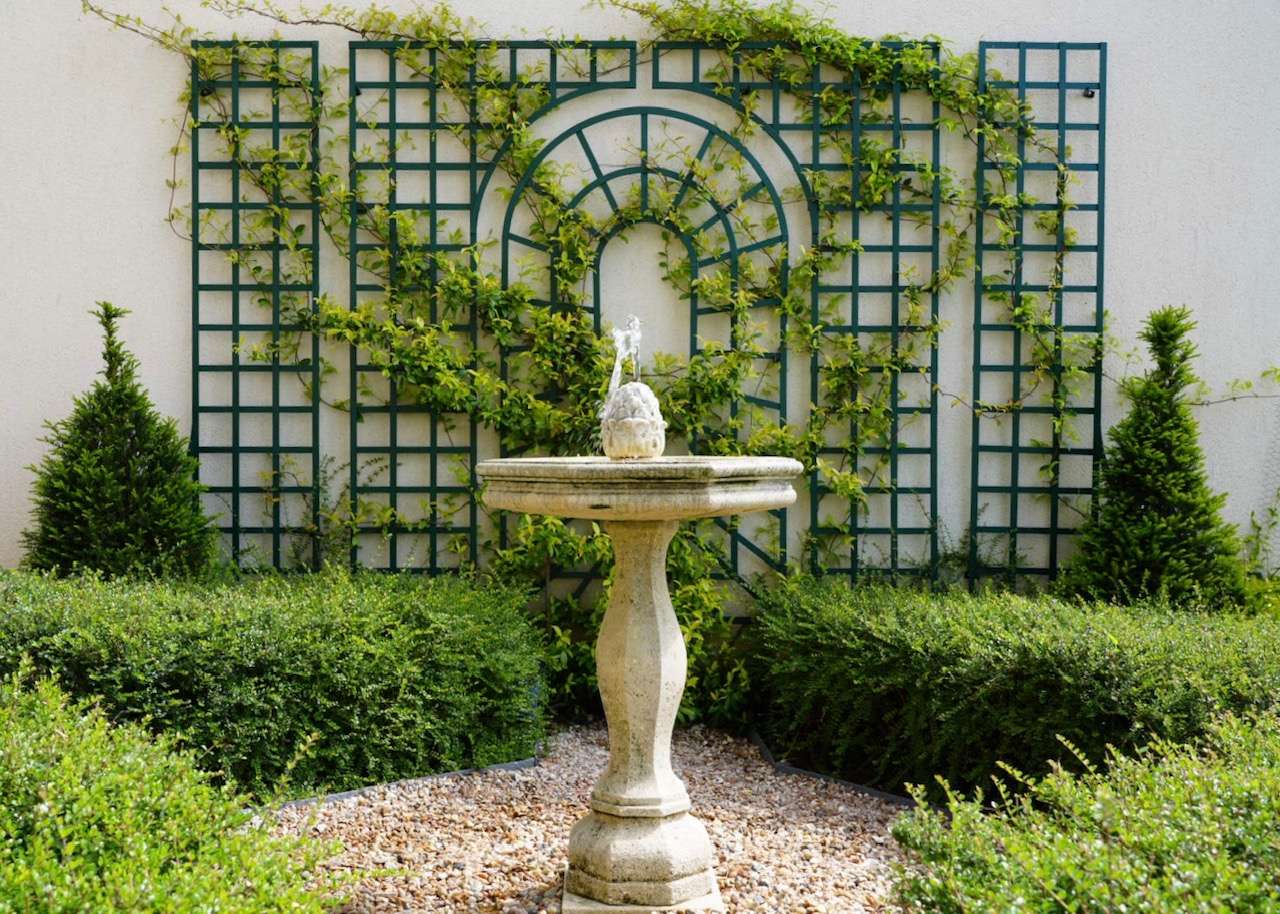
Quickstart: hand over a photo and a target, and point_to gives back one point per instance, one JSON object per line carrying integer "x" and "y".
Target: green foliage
{"x": 566, "y": 622}
{"x": 117, "y": 492}
{"x": 717, "y": 686}
{"x": 1262, "y": 596}
{"x": 100, "y": 818}
{"x": 1157, "y": 530}
{"x": 543, "y": 395}
{"x": 1258, "y": 552}
{"x": 1178, "y": 828}
{"x": 889, "y": 685}
{"x": 331, "y": 680}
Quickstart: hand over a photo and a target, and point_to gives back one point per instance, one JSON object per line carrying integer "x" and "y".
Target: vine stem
{"x": 1233, "y": 398}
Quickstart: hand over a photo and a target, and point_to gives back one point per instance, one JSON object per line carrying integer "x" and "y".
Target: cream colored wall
{"x": 1193, "y": 201}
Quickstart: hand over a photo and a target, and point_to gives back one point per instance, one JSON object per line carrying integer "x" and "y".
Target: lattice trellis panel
{"x": 420, "y": 157}
{"x": 255, "y": 268}
{"x": 1033, "y": 466}
{"x": 873, "y": 302}
{"x": 882, "y": 307}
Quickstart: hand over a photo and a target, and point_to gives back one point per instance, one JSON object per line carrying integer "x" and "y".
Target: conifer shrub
{"x": 1157, "y": 530}
{"x": 105, "y": 819}
{"x": 117, "y": 491}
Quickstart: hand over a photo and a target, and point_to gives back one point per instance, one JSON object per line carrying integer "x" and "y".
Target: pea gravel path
{"x": 493, "y": 842}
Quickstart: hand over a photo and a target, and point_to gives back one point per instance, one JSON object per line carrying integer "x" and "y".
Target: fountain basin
{"x": 661, "y": 488}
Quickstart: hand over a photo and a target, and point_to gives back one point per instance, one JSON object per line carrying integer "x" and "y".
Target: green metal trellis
{"x": 644, "y": 120}
{"x": 800, "y": 137}
{"x": 1029, "y": 481}
{"x": 257, "y": 440}
{"x": 419, "y": 154}
{"x": 894, "y": 532}
{"x": 444, "y": 532}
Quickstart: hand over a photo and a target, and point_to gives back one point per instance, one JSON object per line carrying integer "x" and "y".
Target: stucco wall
{"x": 87, "y": 116}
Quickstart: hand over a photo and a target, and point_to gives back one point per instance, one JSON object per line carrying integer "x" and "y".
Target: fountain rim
{"x": 683, "y": 468}
{"x": 645, "y": 489}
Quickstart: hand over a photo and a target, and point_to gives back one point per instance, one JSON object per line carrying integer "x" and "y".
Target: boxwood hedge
{"x": 331, "y": 680}
{"x": 101, "y": 818}
{"x": 888, "y": 686}
{"x": 1178, "y": 828}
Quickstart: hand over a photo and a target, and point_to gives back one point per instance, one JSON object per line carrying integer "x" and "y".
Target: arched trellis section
{"x": 677, "y": 196}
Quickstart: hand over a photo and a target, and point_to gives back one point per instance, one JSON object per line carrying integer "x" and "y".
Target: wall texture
{"x": 88, "y": 115}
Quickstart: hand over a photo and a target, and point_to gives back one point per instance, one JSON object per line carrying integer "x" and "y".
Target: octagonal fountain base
{"x": 576, "y": 904}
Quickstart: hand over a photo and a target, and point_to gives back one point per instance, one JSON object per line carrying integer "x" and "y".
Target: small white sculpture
{"x": 631, "y": 423}
{"x": 626, "y": 344}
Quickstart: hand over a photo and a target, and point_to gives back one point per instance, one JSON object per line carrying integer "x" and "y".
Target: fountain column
{"x": 639, "y": 845}
{"x": 640, "y": 665}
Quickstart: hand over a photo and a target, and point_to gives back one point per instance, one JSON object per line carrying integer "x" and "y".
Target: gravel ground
{"x": 494, "y": 842}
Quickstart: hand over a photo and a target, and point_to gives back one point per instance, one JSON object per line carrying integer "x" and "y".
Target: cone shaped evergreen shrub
{"x": 117, "y": 491}
{"x": 1157, "y": 530}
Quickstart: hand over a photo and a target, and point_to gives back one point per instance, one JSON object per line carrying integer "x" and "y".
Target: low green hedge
{"x": 1179, "y": 828}
{"x": 888, "y": 686}
{"x": 102, "y": 819}
{"x": 332, "y": 680}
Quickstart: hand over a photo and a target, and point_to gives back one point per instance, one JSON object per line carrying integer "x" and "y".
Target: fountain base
{"x": 654, "y": 862}
{"x": 576, "y": 904}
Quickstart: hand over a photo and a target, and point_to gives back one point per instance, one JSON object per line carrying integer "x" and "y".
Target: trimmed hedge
{"x": 334, "y": 680}
{"x": 888, "y": 686}
{"x": 100, "y": 818}
{"x": 1179, "y": 828}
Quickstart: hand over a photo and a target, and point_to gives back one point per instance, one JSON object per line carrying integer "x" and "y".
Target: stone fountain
{"x": 638, "y": 849}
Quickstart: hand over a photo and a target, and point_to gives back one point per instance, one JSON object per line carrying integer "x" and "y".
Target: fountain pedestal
{"x": 639, "y": 849}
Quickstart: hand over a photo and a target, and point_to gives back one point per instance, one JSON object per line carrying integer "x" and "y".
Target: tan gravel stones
{"x": 494, "y": 842}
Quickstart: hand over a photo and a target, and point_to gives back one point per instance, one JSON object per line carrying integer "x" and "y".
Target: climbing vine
{"x": 536, "y": 372}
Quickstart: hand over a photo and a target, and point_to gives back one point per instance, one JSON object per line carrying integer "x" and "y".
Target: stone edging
{"x": 785, "y": 768}
{"x": 409, "y": 782}
{"x": 756, "y": 739}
